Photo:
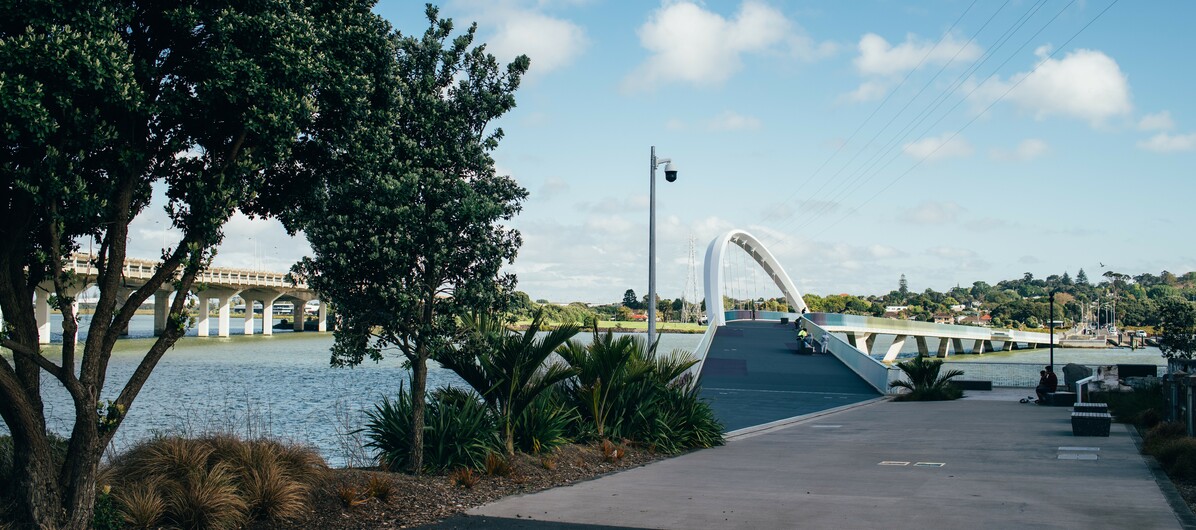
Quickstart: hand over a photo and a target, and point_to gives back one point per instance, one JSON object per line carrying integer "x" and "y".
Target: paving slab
{"x": 973, "y": 464}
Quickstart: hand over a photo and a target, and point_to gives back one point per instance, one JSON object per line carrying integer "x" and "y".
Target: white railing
{"x": 141, "y": 269}
{"x": 872, "y": 371}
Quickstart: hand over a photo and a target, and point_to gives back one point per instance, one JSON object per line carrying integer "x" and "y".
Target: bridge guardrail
{"x": 872, "y": 371}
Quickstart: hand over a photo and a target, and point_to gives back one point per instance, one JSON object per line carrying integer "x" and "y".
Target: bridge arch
{"x": 716, "y": 253}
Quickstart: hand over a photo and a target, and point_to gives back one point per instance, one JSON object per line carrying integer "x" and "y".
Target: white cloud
{"x": 868, "y": 91}
{"x": 1169, "y": 143}
{"x": 731, "y": 121}
{"x": 553, "y": 187}
{"x": 1160, "y": 121}
{"x": 933, "y": 213}
{"x": 878, "y": 57}
{"x": 692, "y": 45}
{"x": 1028, "y": 149}
{"x": 951, "y": 252}
{"x": 519, "y": 29}
{"x": 1085, "y": 84}
{"x": 938, "y": 148}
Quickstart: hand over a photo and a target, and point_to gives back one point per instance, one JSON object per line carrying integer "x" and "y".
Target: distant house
{"x": 944, "y": 318}
{"x": 895, "y": 308}
{"x": 892, "y": 314}
{"x": 957, "y": 308}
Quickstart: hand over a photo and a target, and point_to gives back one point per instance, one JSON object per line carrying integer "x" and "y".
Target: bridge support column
{"x": 895, "y": 348}
{"x": 123, "y": 294}
{"x": 322, "y": 323}
{"x": 870, "y": 342}
{"x": 248, "y": 316}
{"x": 988, "y": 346}
{"x": 222, "y": 325}
{"x": 268, "y": 313}
{"x": 201, "y": 324}
{"x": 161, "y": 311}
{"x": 859, "y": 340}
{"x": 922, "y": 349}
{"x": 978, "y": 346}
{"x": 958, "y": 345}
{"x": 299, "y": 315}
{"x": 41, "y": 312}
{"x": 1008, "y": 346}
{"x": 944, "y": 348}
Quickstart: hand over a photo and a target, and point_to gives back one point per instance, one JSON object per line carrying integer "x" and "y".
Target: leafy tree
{"x": 410, "y": 235}
{"x": 507, "y": 368}
{"x": 622, "y": 314}
{"x": 1081, "y": 278}
{"x": 903, "y": 287}
{"x": 1177, "y": 328}
{"x": 630, "y": 300}
{"x": 99, "y": 101}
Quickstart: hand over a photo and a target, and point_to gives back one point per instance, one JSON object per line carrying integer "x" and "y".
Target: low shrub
{"x": 498, "y": 466}
{"x": 464, "y": 477}
{"x": 1160, "y": 434}
{"x": 380, "y": 488}
{"x": 545, "y": 424}
{"x": 1127, "y": 407}
{"x": 459, "y": 431}
{"x": 944, "y": 393}
{"x": 1177, "y": 455}
{"x": 213, "y": 482}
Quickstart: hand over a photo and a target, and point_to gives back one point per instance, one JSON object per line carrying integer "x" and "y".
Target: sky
{"x": 951, "y": 141}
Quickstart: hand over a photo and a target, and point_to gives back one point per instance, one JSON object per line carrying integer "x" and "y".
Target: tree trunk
{"x": 419, "y": 382}
{"x": 36, "y": 495}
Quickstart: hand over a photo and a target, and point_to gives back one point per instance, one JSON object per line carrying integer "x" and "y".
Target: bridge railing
{"x": 141, "y": 269}
{"x": 874, "y": 372}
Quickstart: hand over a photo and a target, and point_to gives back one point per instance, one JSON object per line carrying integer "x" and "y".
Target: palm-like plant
{"x": 603, "y": 367}
{"x": 927, "y": 380}
{"x": 508, "y": 368}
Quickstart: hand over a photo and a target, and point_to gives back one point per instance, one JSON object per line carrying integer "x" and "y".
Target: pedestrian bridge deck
{"x": 751, "y": 375}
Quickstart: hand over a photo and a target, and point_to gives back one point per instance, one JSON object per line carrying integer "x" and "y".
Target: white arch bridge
{"x": 748, "y": 353}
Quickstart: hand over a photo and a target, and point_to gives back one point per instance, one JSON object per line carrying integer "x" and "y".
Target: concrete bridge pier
{"x": 248, "y": 317}
{"x": 944, "y": 348}
{"x": 322, "y": 317}
{"x": 268, "y": 313}
{"x": 922, "y": 349}
{"x": 978, "y": 347}
{"x": 860, "y": 341}
{"x": 223, "y": 297}
{"x": 123, "y": 295}
{"x": 895, "y": 348}
{"x": 41, "y": 312}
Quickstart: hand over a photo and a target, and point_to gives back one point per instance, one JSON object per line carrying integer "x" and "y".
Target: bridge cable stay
{"x": 857, "y": 180}
{"x": 819, "y": 211}
{"x": 822, "y": 185}
{"x": 1012, "y": 87}
{"x": 879, "y": 106}
{"x": 856, "y": 174}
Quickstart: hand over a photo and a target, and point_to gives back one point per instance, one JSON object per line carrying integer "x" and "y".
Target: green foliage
{"x": 459, "y": 431}
{"x": 545, "y": 424}
{"x": 927, "y": 381}
{"x": 1177, "y": 328}
{"x": 508, "y": 369}
{"x": 410, "y": 231}
{"x": 1138, "y": 407}
{"x": 106, "y": 515}
{"x": 625, "y": 390}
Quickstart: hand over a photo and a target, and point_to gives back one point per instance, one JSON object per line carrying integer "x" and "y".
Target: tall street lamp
{"x": 670, "y": 174}
{"x": 1052, "y": 325}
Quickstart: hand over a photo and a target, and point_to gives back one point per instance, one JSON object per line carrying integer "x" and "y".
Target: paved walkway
{"x": 972, "y": 464}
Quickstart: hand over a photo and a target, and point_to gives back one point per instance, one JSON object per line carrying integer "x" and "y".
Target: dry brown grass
{"x": 548, "y": 463}
{"x": 141, "y": 505}
{"x": 610, "y": 451}
{"x": 498, "y": 466}
{"x": 380, "y": 488}
{"x": 351, "y": 496}
{"x": 215, "y": 482}
{"x": 464, "y": 477}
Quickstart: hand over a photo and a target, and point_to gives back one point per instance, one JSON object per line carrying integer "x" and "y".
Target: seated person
{"x": 1048, "y": 383}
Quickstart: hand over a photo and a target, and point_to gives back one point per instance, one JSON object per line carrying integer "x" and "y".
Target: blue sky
{"x": 1045, "y": 153}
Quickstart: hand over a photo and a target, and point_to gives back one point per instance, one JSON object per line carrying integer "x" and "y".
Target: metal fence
{"x": 1017, "y": 375}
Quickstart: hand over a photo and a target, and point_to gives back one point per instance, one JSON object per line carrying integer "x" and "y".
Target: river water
{"x": 282, "y": 385}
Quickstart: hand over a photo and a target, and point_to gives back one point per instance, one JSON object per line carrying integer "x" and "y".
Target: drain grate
{"x": 893, "y": 463}
{"x": 1077, "y": 456}
{"x": 929, "y": 464}
{"x": 824, "y": 426}
{"x": 1079, "y": 449}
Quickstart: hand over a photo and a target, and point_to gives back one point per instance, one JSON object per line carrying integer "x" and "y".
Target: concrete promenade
{"x": 986, "y": 462}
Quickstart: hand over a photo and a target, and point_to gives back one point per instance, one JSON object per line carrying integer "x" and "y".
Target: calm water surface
{"x": 280, "y": 385}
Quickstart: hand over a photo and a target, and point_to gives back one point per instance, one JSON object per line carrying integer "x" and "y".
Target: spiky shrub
{"x": 192, "y": 480}
{"x": 141, "y": 504}
{"x": 927, "y": 381}
{"x": 464, "y": 477}
{"x": 459, "y": 430}
{"x": 545, "y": 424}
{"x": 1162, "y": 434}
{"x": 351, "y": 496}
{"x": 498, "y": 466}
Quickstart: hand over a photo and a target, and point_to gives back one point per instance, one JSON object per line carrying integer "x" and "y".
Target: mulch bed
{"x": 419, "y": 500}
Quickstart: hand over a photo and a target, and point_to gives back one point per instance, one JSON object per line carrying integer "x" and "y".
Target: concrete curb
{"x": 1182, "y": 511}
{"x": 748, "y": 432}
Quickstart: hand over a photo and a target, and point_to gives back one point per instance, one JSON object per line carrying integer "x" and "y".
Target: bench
{"x": 1090, "y": 423}
{"x": 1060, "y": 399}
{"x": 964, "y": 384}
{"x": 1091, "y": 407}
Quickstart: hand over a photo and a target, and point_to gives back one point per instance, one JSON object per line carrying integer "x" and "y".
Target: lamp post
{"x": 1052, "y": 325}
{"x": 670, "y": 174}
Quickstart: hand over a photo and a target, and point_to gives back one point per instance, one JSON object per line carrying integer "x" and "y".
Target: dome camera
{"x": 670, "y": 172}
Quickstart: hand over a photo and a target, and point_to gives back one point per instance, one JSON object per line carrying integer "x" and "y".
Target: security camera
{"x": 670, "y": 172}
